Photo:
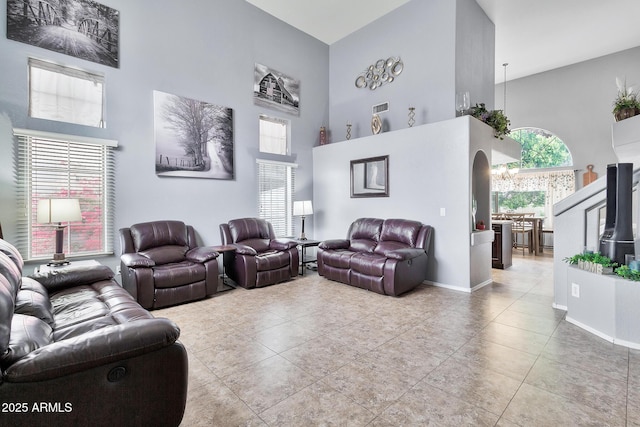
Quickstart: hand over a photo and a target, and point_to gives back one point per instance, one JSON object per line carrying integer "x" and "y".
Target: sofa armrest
{"x": 245, "y": 250}
{"x": 136, "y": 260}
{"x": 282, "y": 244}
{"x": 404, "y": 253}
{"x": 335, "y": 244}
{"x": 95, "y": 348}
{"x": 202, "y": 254}
{"x": 73, "y": 276}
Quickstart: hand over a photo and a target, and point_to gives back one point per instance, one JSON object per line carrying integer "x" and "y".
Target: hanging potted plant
{"x": 627, "y": 102}
{"x": 494, "y": 118}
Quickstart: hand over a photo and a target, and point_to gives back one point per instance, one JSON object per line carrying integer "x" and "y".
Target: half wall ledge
{"x": 604, "y": 305}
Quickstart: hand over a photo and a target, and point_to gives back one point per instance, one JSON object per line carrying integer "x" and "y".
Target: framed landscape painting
{"x": 81, "y": 28}
{"x": 193, "y": 138}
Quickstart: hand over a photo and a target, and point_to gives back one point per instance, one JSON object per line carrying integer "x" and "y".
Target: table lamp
{"x": 52, "y": 211}
{"x": 302, "y": 208}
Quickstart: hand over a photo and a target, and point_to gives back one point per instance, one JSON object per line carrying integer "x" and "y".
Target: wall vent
{"x": 380, "y": 108}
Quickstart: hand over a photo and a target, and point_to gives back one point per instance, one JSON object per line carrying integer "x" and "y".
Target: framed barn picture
{"x": 272, "y": 89}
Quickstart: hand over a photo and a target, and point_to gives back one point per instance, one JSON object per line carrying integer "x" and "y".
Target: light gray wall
{"x": 475, "y": 53}
{"x": 446, "y": 46}
{"x": 429, "y": 170}
{"x": 195, "y": 48}
{"x": 423, "y": 34}
{"x": 575, "y": 103}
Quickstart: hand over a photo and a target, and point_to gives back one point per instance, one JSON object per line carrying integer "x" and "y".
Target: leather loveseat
{"x": 77, "y": 349}
{"x": 260, "y": 259}
{"x": 385, "y": 256}
{"x": 162, "y": 264}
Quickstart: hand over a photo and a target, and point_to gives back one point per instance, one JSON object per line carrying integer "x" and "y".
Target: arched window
{"x": 543, "y": 177}
{"x": 541, "y": 149}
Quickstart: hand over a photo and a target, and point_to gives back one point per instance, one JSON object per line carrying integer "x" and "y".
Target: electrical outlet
{"x": 575, "y": 290}
{"x": 442, "y": 212}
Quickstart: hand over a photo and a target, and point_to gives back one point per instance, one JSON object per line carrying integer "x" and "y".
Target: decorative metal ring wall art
{"x": 380, "y": 73}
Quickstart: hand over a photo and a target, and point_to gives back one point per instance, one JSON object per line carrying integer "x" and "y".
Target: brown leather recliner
{"x": 385, "y": 256}
{"x": 162, "y": 264}
{"x": 76, "y": 349}
{"x": 260, "y": 258}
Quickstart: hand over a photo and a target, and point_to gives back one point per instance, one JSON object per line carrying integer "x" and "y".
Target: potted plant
{"x": 627, "y": 102}
{"x": 494, "y": 118}
{"x": 592, "y": 261}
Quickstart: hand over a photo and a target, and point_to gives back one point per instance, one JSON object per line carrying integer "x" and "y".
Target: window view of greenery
{"x": 540, "y": 149}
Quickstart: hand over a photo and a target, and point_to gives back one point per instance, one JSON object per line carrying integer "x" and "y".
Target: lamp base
{"x": 302, "y": 237}
{"x": 58, "y": 260}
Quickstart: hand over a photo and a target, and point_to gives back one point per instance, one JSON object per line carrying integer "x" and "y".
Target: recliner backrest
{"x": 402, "y": 231}
{"x": 153, "y": 234}
{"x": 250, "y": 229}
{"x": 364, "y": 234}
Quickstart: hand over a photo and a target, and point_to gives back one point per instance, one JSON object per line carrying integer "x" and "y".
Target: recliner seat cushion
{"x": 177, "y": 274}
{"x": 368, "y": 264}
{"x": 272, "y": 260}
{"x": 260, "y": 245}
{"x": 166, "y": 254}
{"x": 337, "y": 258}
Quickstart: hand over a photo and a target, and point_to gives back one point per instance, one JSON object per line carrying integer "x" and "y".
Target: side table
{"x": 303, "y": 245}
{"x": 228, "y": 253}
{"x": 44, "y": 268}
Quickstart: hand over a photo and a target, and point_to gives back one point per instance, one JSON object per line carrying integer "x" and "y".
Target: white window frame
{"x": 275, "y": 205}
{"x": 64, "y": 161}
{"x": 60, "y": 93}
{"x": 266, "y": 144}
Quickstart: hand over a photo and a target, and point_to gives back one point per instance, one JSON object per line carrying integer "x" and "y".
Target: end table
{"x": 303, "y": 245}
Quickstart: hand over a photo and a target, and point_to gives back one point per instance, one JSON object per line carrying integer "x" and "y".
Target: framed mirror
{"x": 370, "y": 177}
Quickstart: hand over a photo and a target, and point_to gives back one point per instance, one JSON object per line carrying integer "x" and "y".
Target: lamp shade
{"x": 58, "y": 210}
{"x": 302, "y": 208}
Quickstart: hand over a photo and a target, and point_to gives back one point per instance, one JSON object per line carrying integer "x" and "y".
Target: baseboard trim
{"x": 590, "y": 329}
{"x": 559, "y": 307}
{"x": 459, "y": 288}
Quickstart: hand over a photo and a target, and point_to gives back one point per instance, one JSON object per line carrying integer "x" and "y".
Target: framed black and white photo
{"x": 272, "y": 89}
{"x": 193, "y": 138}
{"x": 81, "y": 28}
{"x": 370, "y": 177}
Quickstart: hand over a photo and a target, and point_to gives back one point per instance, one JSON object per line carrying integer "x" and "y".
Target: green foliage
{"x": 625, "y": 272}
{"x": 594, "y": 257}
{"x": 514, "y": 200}
{"x": 541, "y": 149}
{"x": 494, "y": 118}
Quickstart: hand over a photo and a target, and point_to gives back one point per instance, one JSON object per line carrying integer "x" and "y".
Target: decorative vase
{"x": 348, "y": 130}
{"x": 625, "y": 113}
{"x": 323, "y": 136}
{"x": 412, "y": 116}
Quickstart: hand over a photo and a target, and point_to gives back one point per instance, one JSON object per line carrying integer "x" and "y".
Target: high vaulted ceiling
{"x": 532, "y": 36}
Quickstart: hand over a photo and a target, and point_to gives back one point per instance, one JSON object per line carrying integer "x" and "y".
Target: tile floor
{"x": 314, "y": 352}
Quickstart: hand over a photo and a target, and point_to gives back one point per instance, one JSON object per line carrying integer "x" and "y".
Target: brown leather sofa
{"x": 385, "y": 256}
{"x": 162, "y": 265}
{"x": 76, "y": 349}
{"x": 260, "y": 259}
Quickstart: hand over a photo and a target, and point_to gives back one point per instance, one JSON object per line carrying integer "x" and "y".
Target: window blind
{"x": 276, "y": 182}
{"x": 57, "y": 166}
